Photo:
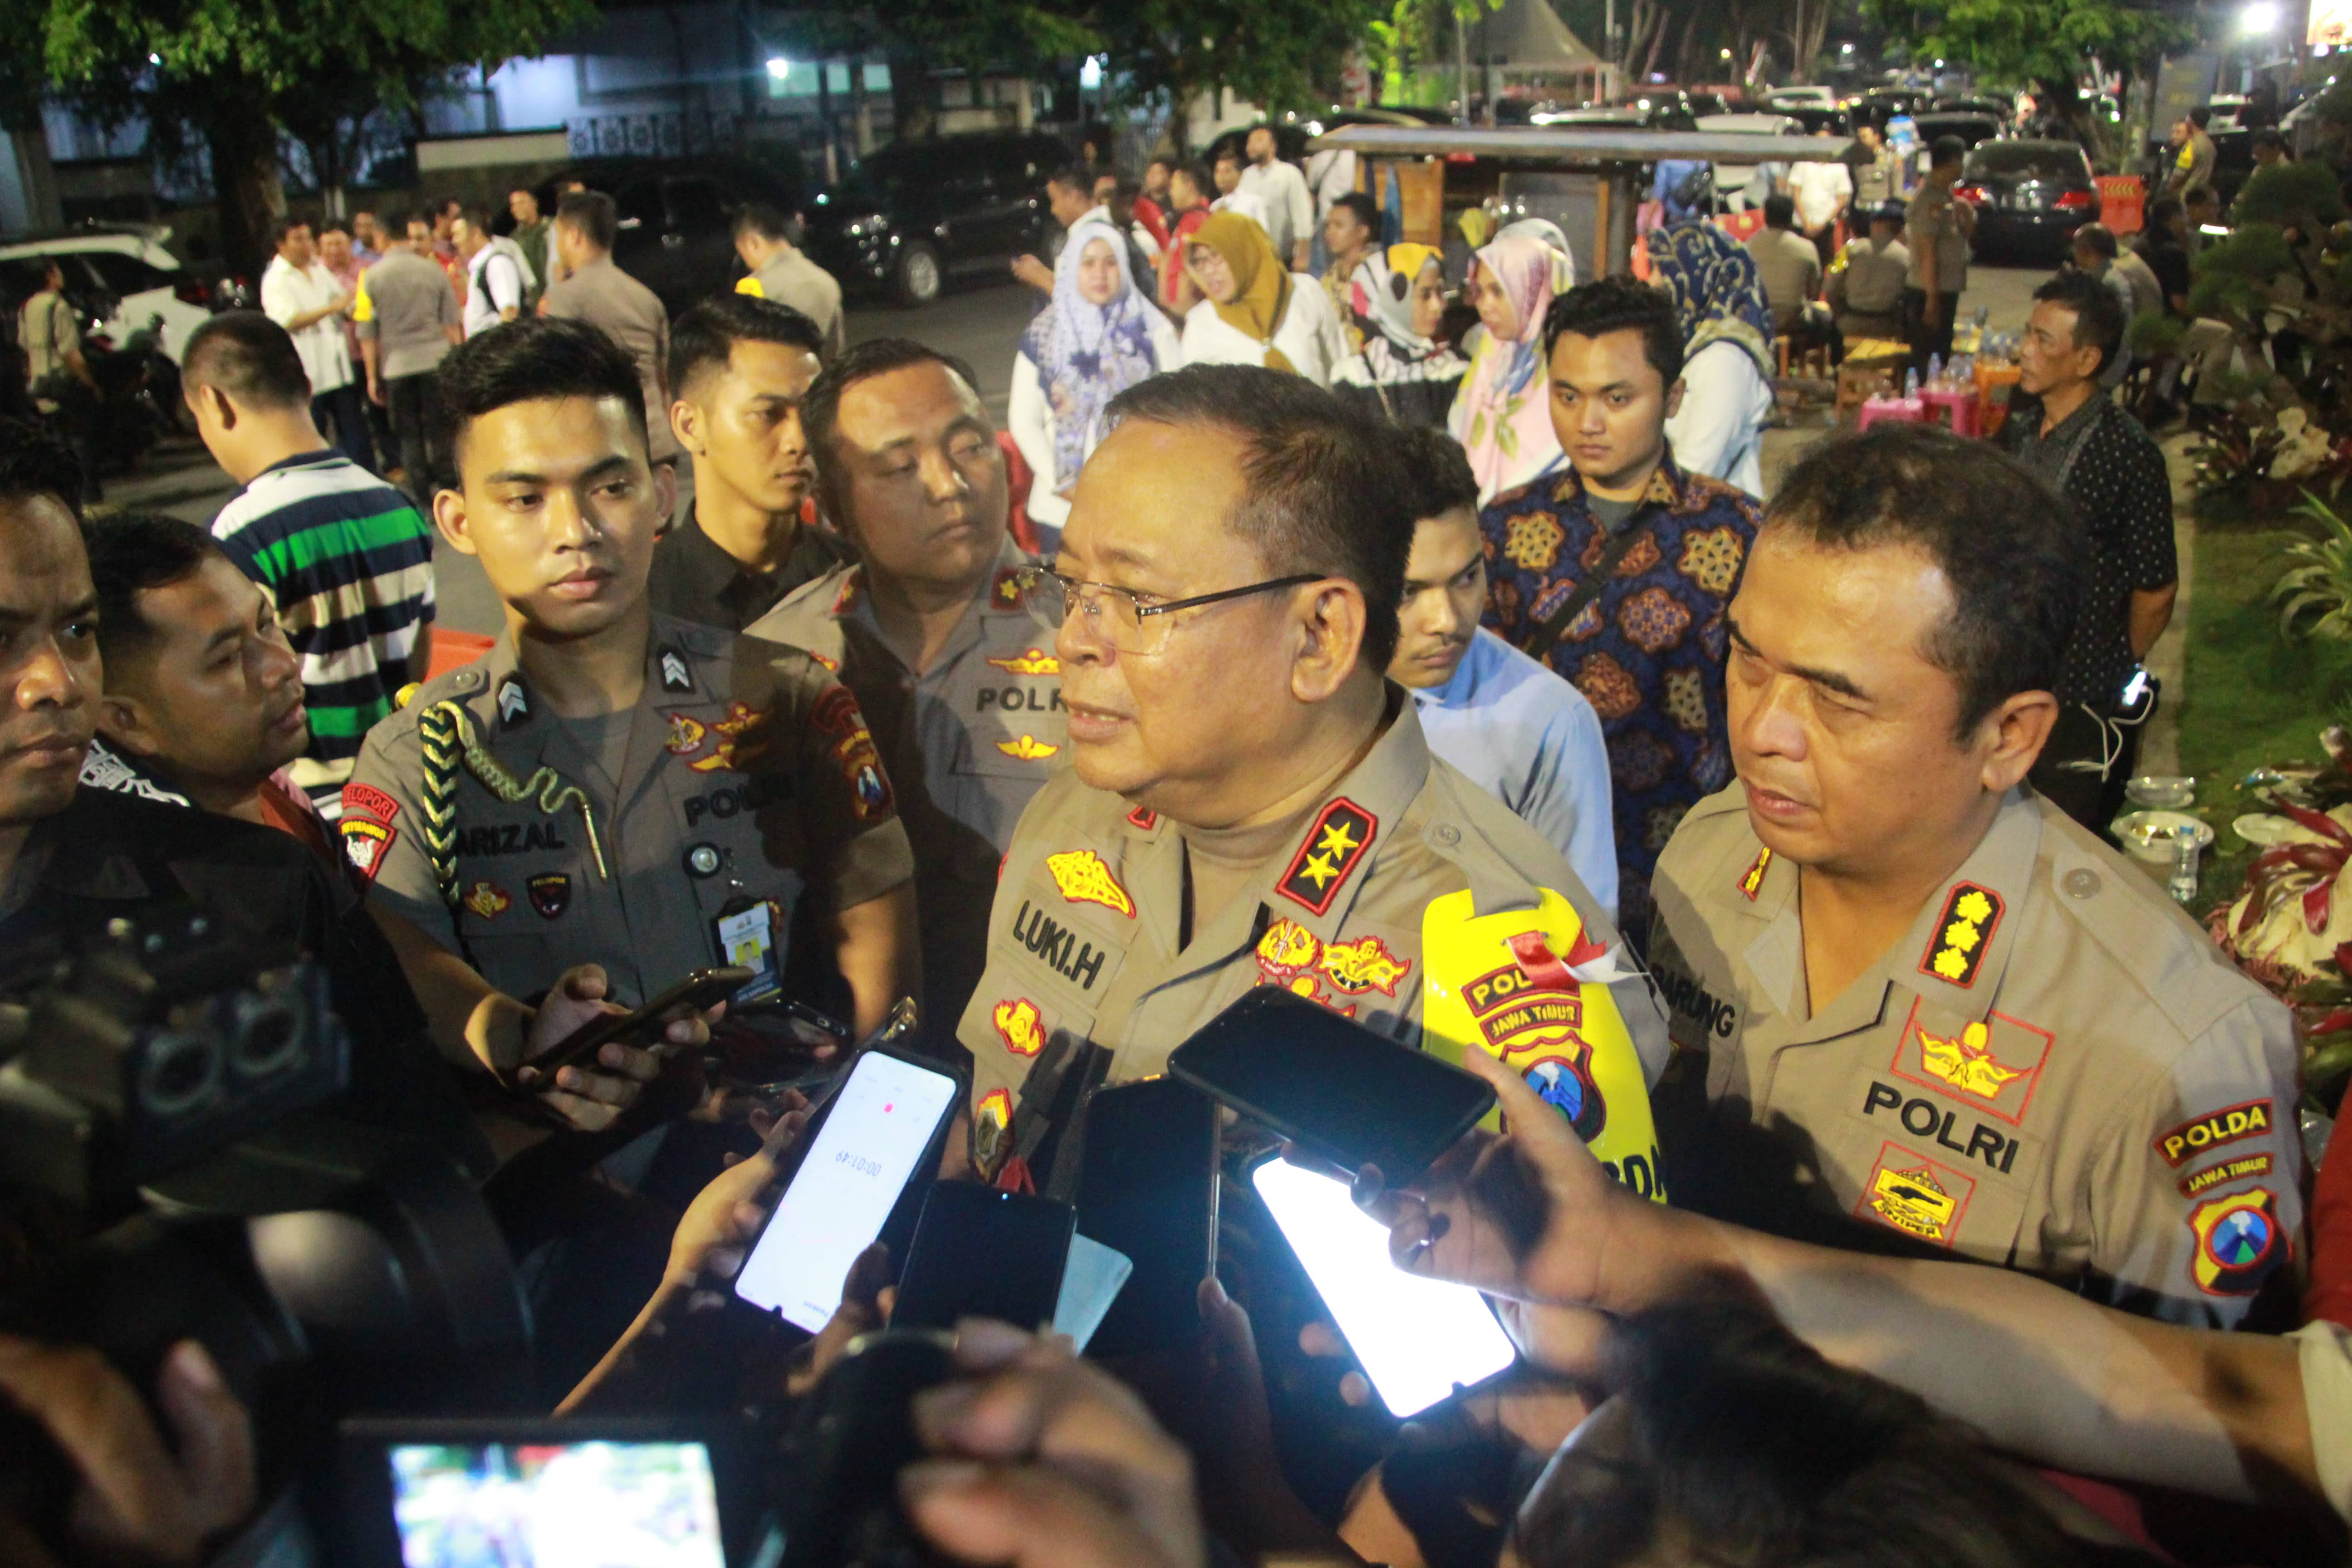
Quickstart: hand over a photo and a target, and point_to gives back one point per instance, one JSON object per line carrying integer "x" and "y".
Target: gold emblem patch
{"x": 1083, "y": 879}
{"x": 1027, "y": 749}
{"x": 1030, "y": 661}
{"x": 488, "y": 899}
{"x": 1020, "y": 1026}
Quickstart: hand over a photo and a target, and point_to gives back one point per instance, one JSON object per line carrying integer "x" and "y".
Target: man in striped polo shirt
{"x": 346, "y": 557}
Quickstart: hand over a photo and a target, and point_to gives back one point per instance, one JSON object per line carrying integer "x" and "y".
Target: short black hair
{"x": 1195, "y": 171}
{"x": 1230, "y": 152}
{"x": 1322, "y": 491}
{"x": 327, "y": 225}
{"x": 526, "y": 360}
{"x": 2201, "y": 116}
{"x": 759, "y": 218}
{"x": 284, "y": 226}
{"x": 33, "y": 462}
{"x": 592, "y": 213}
{"x": 1367, "y": 211}
{"x": 1074, "y": 177}
{"x": 1780, "y": 211}
{"x": 248, "y": 356}
{"x": 2097, "y": 238}
{"x": 1748, "y": 1445}
{"x": 2007, "y": 544}
{"x": 133, "y": 553}
{"x": 2098, "y": 314}
{"x": 1947, "y": 150}
{"x": 1437, "y": 477}
{"x": 1618, "y": 303}
{"x": 821, "y": 410}
{"x": 707, "y": 334}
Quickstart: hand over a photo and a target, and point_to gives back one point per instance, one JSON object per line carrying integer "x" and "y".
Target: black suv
{"x": 912, "y": 212}
{"x": 677, "y": 216}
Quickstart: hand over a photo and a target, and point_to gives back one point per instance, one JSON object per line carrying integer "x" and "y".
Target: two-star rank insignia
{"x": 1956, "y": 949}
{"x": 675, "y": 675}
{"x": 1334, "y": 846}
{"x": 1029, "y": 661}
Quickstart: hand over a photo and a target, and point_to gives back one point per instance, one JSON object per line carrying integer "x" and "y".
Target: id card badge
{"x": 746, "y": 935}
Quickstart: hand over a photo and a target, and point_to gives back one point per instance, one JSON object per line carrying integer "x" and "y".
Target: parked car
{"x": 912, "y": 213}
{"x": 2029, "y": 195}
{"x": 678, "y": 214}
{"x": 1647, "y": 112}
{"x": 121, "y": 277}
{"x": 1815, "y": 119}
{"x": 1789, "y": 99}
{"x": 1931, "y": 128}
{"x": 1992, "y": 106}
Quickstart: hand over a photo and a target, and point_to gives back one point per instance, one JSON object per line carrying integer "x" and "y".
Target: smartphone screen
{"x": 1315, "y": 1077}
{"x": 862, "y": 1155}
{"x": 467, "y": 1502}
{"x": 1418, "y": 1339}
{"x": 981, "y": 1253}
{"x": 1147, "y": 1188}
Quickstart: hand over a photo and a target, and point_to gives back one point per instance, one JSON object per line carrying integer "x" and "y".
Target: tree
{"x": 1282, "y": 54}
{"x": 2053, "y": 41}
{"x": 237, "y": 74}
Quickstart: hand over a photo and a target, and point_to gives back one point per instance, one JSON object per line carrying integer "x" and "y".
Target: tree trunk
{"x": 910, "y": 96}
{"x": 245, "y": 187}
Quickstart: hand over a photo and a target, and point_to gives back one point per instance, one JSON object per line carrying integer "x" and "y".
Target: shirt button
{"x": 1447, "y": 832}
{"x": 2081, "y": 883}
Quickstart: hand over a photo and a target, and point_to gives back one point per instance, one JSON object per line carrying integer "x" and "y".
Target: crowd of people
{"x": 1393, "y": 663}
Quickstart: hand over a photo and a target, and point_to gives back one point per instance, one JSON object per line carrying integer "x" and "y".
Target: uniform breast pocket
{"x": 1016, "y": 725}
{"x": 500, "y": 915}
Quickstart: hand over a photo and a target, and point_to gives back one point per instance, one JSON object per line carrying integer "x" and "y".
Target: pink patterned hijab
{"x": 1502, "y": 416}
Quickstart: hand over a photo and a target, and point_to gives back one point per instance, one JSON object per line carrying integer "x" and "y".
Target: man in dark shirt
{"x": 739, "y": 367}
{"x": 2105, "y": 464}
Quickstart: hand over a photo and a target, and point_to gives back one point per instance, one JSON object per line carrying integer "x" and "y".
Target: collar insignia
{"x": 1143, "y": 817}
{"x": 1005, "y": 589}
{"x": 514, "y": 703}
{"x": 845, "y": 600}
{"x": 1752, "y": 881}
{"x": 675, "y": 676}
{"x": 1032, "y": 661}
{"x": 1334, "y": 846}
{"x": 1955, "y": 951}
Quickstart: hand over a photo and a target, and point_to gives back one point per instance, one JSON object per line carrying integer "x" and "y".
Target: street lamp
{"x": 779, "y": 66}
{"x": 2259, "y": 19}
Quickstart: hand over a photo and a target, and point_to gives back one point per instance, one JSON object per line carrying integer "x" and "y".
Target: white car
{"x": 126, "y": 272}
{"x": 1809, "y": 97}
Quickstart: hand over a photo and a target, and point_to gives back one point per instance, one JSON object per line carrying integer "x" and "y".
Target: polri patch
{"x": 1956, "y": 949}
{"x": 2248, "y": 1119}
{"x": 2239, "y": 1242}
{"x": 1334, "y": 846}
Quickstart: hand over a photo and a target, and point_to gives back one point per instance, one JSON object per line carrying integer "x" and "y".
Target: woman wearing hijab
{"x": 1718, "y": 295}
{"x": 1255, "y": 310}
{"x": 1095, "y": 340}
{"x": 1502, "y": 416}
{"x": 1403, "y": 372}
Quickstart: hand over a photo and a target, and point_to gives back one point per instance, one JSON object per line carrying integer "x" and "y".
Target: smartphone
{"x": 1331, "y": 1086}
{"x": 1147, "y": 1188}
{"x": 702, "y": 988}
{"x": 453, "y": 1491}
{"x": 1419, "y": 1340}
{"x": 876, "y": 1134}
{"x": 981, "y": 1253}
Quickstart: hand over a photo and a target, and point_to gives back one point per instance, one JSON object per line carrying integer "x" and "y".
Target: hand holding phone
{"x": 702, "y": 990}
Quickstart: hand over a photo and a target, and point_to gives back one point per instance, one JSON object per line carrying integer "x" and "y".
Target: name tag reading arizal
{"x": 746, "y": 935}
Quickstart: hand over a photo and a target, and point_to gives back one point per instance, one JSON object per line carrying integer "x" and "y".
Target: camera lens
{"x": 179, "y": 1073}
{"x": 268, "y": 1032}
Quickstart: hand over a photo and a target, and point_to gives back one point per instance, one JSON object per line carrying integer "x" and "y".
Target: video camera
{"x": 170, "y": 1168}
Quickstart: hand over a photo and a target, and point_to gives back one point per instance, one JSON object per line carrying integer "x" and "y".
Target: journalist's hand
{"x": 1047, "y": 1461}
{"x": 729, "y": 1212}
{"x": 139, "y": 1501}
{"x": 590, "y": 1099}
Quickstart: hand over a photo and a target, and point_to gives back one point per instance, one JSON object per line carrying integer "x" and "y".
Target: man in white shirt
{"x": 494, "y": 284}
{"x": 1289, "y": 211}
{"x": 1823, "y": 191}
{"x": 1519, "y": 731}
{"x": 300, "y": 295}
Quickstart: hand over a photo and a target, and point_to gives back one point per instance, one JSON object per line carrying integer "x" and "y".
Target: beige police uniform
{"x": 748, "y": 776}
{"x": 969, "y": 742}
{"x": 2054, "y": 1069}
{"x": 1084, "y": 940}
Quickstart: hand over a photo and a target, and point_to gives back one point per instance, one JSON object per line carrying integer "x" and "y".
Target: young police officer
{"x": 931, "y": 632}
{"x": 1919, "y": 993}
{"x": 1251, "y": 801}
{"x": 608, "y": 783}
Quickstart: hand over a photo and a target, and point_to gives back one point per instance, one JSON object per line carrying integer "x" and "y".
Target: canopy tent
{"x": 1526, "y": 38}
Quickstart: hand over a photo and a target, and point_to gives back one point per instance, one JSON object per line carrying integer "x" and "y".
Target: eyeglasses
{"x": 1117, "y": 616}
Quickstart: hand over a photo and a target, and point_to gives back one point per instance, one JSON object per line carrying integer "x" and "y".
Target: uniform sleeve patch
{"x": 1334, "y": 846}
{"x": 1956, "y": 949}
{"x": 1752, "y": 881}
{"x": 369, "y": 801}
{"x": 2178, "y": 1145}
{"x": 837, "y": 713}
{"x": 1916, "y": 1195}
{"x": 1020, "y": 1026}
{"x": 2245, "y": 1167}
{"x": 2239, "y": 1242}
{"x": 366, "y": 844}
{"x": 1084, "y": 879}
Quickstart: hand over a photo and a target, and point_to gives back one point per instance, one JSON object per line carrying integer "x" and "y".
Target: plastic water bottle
{"x": 1934, "y": 373}
{"x": 2182, "y": 884}
{"x": 1911, "y": 385}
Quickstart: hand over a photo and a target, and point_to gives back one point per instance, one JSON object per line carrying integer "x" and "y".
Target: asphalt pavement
{"x": 977, "y": 320}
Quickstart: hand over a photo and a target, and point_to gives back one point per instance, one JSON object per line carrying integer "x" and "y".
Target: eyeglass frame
{"x": 1033, "y": 575}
